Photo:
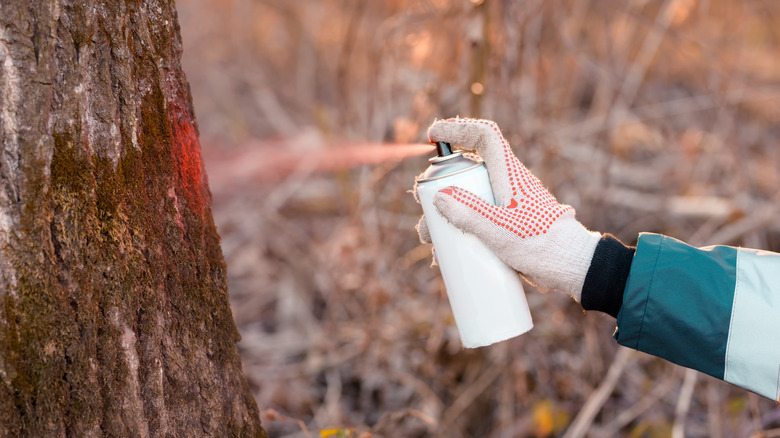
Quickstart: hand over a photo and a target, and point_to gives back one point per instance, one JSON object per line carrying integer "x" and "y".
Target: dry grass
{"x": 645, "y": 115}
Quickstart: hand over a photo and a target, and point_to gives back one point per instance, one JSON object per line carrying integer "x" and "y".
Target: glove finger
{"x": 473, "y": 215}
{"x": 484, "y": 136}
{"x": 472, "y": 134}
{"x": 491, "y": 223}
{"x": 422, "y": 230}
{"x": 425, "y": 237}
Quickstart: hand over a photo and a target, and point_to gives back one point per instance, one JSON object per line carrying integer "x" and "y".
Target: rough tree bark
{"x": 114, "y": 314}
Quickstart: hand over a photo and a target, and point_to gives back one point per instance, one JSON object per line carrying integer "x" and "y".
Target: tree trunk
{"x": 114, "y": 315}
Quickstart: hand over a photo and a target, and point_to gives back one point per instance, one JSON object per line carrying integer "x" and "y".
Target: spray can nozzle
{"x": 444, "y": 152}
{"x": 443, "y": 148}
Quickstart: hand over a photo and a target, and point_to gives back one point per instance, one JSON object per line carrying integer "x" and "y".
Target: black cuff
{"x": 607, "y": 276}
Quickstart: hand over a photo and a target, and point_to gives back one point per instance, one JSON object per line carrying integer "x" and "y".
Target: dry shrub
{"x": 645, "y": 115}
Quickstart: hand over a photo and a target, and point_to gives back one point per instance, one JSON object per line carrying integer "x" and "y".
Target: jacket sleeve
{"x": 714, "y": 309}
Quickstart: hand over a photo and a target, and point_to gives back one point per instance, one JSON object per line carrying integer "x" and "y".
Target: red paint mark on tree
{"x": 189, "y": 166}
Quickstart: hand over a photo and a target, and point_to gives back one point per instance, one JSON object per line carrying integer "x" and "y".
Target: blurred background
{"x": 646, "y": 115}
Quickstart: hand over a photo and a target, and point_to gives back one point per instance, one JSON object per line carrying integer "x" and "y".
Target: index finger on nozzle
{"x": 449, "y": 131}
{"x": 471, "y": 134}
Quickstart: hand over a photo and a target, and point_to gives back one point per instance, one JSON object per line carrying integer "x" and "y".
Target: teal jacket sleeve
{"x": 714, "y": 309}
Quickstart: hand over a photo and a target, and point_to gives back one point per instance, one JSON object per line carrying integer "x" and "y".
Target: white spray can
{"x": 485, "y": 295}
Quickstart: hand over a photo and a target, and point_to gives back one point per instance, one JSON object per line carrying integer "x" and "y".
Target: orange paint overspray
{"x": 275, "y": 160}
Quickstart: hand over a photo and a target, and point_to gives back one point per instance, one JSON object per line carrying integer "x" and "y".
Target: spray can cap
{"x": 446, "y": 163}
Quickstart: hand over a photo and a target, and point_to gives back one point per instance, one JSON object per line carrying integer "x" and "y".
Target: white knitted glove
{"x": 527, "y": 228}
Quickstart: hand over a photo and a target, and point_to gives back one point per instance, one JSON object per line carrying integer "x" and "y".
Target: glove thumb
{"x": 422, "y": 231}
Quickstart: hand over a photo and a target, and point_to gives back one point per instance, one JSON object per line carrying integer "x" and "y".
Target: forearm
{"x": 713, "y": 309}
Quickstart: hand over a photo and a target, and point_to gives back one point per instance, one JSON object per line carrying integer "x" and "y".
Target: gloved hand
{"x": 528, "y": 229}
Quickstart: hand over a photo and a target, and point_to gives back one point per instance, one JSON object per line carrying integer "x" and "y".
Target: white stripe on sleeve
{"x": 753, "y": 348}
